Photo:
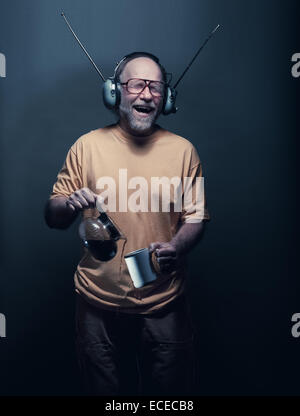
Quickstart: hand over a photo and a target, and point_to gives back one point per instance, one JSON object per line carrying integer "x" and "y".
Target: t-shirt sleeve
{"x": 69, "y": 178}
{"x": 194, "y": 201}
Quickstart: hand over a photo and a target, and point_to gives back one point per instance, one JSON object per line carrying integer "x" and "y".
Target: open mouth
{"x": 142, "y": 109}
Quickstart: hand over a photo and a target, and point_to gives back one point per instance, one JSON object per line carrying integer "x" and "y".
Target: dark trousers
{"x": 134, "y": 354}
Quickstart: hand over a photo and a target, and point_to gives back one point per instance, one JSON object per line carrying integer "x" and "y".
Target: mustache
{"x": 150, "y": 107}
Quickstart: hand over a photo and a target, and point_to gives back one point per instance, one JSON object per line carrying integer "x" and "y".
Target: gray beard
{"x": 135, "y": 124}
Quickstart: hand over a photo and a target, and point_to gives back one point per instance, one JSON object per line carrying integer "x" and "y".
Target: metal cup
{"x": 141, "y": 267}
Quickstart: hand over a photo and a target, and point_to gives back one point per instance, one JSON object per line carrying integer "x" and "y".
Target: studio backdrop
{"x": 238, "y": 105}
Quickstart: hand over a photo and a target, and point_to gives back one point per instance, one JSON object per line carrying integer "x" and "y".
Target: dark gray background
{"x": 238, "y": 106}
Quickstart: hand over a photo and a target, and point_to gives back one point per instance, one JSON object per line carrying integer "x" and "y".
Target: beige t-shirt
{"x": 115, "y": 164}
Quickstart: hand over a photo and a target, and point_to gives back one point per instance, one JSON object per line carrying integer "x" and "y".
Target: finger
{"x": 154, "y": 246}
{"x": 80, "y": 198}
{"x": 71, "y": 206}
{"x": 89, "y": 196}
{"x": 165, "y": 260}
{"x": 166, "y": 252}
{"x": 75, "y": 203}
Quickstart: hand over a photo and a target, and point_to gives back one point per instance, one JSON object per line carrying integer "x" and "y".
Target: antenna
{"x": 197, "y": 53}
{"x": 81, "y": 45}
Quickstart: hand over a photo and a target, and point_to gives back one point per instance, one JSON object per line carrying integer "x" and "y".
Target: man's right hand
{"x": 81, "y": 199}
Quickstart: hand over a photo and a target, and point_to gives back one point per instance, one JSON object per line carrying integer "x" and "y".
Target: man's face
{"x": 137, "y": 122}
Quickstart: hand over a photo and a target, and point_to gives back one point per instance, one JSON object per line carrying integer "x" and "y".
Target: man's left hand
{"x": 166, "y": 256}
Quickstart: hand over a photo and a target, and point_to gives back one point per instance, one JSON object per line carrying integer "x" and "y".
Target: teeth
{"x": 143, "y": 109}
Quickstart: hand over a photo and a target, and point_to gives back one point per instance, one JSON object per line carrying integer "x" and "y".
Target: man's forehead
{"x": 141, "y": 67}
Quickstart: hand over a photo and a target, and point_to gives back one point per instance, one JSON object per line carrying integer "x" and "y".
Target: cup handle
{"x": 154, "y": 263}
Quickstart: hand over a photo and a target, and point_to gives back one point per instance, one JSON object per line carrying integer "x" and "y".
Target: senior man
{"x": 114, "y": 319}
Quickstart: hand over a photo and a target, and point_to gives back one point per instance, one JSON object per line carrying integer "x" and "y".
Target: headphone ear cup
{"x": 110, "y": 93}
{"x": 169, "y": 105}
{"x": 118, "y": 93}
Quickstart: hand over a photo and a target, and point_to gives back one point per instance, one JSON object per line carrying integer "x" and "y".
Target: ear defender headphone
{"x": 112, "y": 87}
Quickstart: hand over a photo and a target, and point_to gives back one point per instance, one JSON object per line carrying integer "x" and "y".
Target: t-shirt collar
{"x": 127, "y": 137}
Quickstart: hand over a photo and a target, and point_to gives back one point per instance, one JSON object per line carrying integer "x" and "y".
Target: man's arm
{"x": 61, "y": 212}
{"x": 185, "y": 239}
{"x": 188, "y": 235}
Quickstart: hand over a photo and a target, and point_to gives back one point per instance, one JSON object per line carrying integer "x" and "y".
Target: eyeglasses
{"x": 137, "y": 85}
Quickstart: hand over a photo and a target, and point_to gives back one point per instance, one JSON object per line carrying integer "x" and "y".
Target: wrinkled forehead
{"x": 141, "y": 67}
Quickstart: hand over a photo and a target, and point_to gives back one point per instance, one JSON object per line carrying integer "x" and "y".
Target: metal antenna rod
{"x": 81, "y": 45}
{"x": 197, "y": 53}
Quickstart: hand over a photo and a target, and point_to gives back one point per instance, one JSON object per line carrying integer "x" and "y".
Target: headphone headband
{"x": 120, "y": 65}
